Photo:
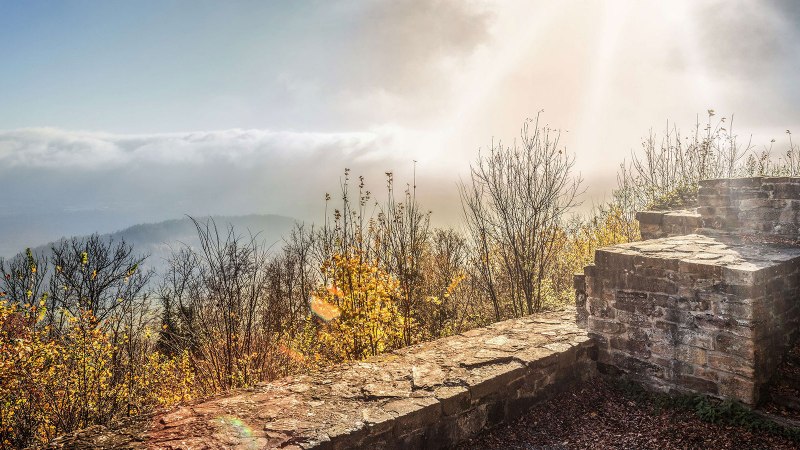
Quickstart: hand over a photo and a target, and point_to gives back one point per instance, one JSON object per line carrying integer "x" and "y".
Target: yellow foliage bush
{"x": 365, "y": 319}
{"x": 27, "y": 364}
{"x": 161, "y": 381}
{"x": 52, "y": 385}
{"x": 608, "y": 226}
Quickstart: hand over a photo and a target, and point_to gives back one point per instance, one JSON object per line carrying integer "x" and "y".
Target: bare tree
{"x": 217, "y": 301}
{"x": 404, "y": 232}
{"x": 96, "y": 275}
{"x": 443, "y": 270}
{"x": 293, "y": 275}
{"x": 23, "y": 281}
{"x": 514, "y": 203}
{"x": 477, "y": 222}
{"x": 177, "y": 293}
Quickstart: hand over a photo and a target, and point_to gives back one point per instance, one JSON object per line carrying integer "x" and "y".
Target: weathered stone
{"x": 727, "y": 363}
{"x": 659, "y": 224}
{"x": 378, "y": 420}
{"x": 491, "y": 379}
{"x": 709, "y": 297}
{"x": 430, "y": 395}
{"x": 732, "y": 344}
{"x": 454, "y": 399}
{"x": 414, "y": 413}
{"x": 697, "y": 384}
{"x": 605, "y": 326}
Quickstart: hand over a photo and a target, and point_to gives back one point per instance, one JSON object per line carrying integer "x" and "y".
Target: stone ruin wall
{"x": 765, "y": 206}
{"x": 710, "y": 313}
{"x": 676, "y": 324}
{"x": 660, "y": 224}
{"x": 431, "y": 395}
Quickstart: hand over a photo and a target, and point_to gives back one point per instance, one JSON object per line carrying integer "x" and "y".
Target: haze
{"x": 116, "y": 113}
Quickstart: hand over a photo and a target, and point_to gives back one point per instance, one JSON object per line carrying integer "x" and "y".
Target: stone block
{"x": 731, "y": 364}
{"x": 695, "y": 338}
{"x": 692, "y": 355}
{"x": 731, "y": 344}
{"x": 697, "y": 384}
{"x": 454, "y": 399}
{"x": 579, "y": 282}
{"x": 599, "y": 307}
{"x": 787, "y": 190}
{"x": 633, "y": 365}
{"x": 736, "y": 387}
{"x": 629, "y": 301}
{"x": 413, "y": 413}
{"x": 471, "y": 422}
{"x": 605, "y": 326}
{"x": 650, "y": 217}
{"x": 733, "y": 310}
{"x": 493, "y": 379}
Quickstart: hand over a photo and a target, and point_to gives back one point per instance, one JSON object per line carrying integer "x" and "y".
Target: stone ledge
{"x": 721, "y": 250}
{"x": 430, "y": 395}
{"x": 659, "y": 224}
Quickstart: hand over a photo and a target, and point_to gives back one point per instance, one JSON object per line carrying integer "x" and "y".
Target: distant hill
{"x": 160, "y": 239}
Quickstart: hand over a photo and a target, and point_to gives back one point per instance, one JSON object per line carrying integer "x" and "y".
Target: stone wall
{"x": 711, "y": 312}
{"x": 762, "y": 205}
{"x": 659, "y": 224}
{"x": 581, "y": 308}
{"x": 707, "y": 314}
{"x": 431, "y": 395}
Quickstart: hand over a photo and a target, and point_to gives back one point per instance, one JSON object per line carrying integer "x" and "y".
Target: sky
{"x": 114, "y": 113}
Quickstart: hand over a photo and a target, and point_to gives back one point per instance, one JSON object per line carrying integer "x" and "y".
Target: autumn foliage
{"x": 358, "y": 313}
{"x": 88, "y": 335}
{"x": 62, "y": 368}
{"x": 51, "y": 385}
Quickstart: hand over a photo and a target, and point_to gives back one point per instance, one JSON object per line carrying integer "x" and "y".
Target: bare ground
{"x": 600, "y": 415}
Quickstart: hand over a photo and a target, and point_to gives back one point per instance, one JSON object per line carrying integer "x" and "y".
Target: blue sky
{"x": 161, "y": 66}
{"x": 148, "y": 110}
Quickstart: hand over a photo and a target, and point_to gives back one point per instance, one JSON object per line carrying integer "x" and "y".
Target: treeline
{"x": 87, "y": 336}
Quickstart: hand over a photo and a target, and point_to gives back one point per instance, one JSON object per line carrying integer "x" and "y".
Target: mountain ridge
{"x": 158, "y": 240}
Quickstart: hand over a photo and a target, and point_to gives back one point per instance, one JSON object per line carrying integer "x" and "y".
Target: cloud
{"x": 51, "y": 148}
{"x": 408, "y": 45}
{"x": 743, "y": 37}
{"x": 399, "y": 61}
{"x": 167, "y": 175}
{"x": 58, "y": 182}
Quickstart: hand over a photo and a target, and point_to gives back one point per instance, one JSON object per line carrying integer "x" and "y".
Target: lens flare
{"x": 324, "y": 310}
{"x": 241, "y": 428}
